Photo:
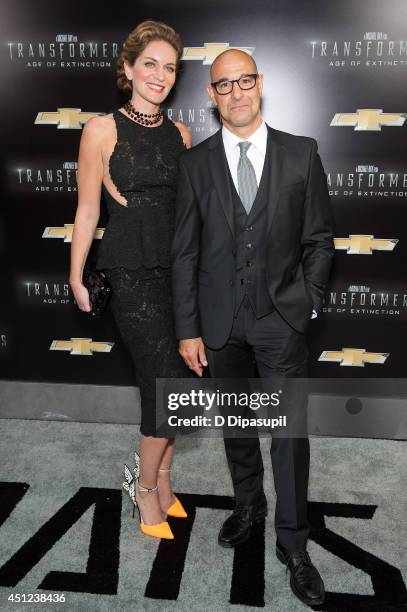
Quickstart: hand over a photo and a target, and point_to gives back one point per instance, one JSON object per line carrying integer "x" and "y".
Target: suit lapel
{"x": 276, "y": 161}
{"x": 220, "y": 176}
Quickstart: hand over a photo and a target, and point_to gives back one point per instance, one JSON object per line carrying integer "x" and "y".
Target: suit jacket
{"x": 299, "y": 243}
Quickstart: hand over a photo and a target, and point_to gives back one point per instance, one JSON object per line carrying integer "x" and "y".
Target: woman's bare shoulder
{"x": 185, "y": 133}
{"x": 99, "y": 127}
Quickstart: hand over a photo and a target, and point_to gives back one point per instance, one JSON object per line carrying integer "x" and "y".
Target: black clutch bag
{"x": 98, "y": 288}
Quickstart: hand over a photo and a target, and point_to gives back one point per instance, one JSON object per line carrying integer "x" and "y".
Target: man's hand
{"x": 192, "y": 351}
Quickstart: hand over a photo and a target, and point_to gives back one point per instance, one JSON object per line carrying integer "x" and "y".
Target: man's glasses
{"x": 224, "y": 87}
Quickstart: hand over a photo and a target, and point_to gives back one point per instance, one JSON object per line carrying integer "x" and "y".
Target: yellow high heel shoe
{"x": 159, "y": 530}
{"x": 176, "y": 509}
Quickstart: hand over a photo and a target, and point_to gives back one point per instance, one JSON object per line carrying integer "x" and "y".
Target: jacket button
{"x": 231, "y": 283}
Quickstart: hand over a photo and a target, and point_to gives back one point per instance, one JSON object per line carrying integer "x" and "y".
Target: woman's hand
{"x": 81, "y": 295}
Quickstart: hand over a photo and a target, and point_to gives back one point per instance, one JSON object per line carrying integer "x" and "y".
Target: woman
{"x": 132, "y": 155}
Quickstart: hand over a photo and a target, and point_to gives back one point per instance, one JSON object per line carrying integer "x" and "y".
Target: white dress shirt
{"x": 256, "y": 153}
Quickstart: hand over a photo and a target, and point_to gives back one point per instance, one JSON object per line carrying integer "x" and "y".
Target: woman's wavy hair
{"x": 138, "y": 40}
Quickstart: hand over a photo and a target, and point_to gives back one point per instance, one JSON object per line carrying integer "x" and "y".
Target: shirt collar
{"x": 258, "y": 138}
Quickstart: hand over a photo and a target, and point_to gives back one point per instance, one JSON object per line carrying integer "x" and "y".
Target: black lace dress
{"x": 135, "y": 254}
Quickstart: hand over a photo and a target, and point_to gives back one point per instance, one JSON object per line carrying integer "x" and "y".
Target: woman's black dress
{"x": 135, "y": 253}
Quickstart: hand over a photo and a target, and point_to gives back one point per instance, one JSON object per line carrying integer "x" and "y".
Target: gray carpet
{"x": 57, "y": 458}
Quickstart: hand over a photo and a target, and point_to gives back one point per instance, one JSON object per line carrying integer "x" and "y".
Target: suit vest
{"x": 250, "y": 247}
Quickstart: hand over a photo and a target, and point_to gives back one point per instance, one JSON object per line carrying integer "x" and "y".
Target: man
{"x": 252, "y": 253}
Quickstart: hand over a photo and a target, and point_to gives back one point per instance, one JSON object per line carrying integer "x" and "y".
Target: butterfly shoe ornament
{"x": 159, "y": 530}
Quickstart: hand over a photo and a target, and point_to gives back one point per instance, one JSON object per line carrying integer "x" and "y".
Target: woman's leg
{"x": 165, "y": 492}
{"x": 151, "y": 454}
{"x": 143, "y": 313}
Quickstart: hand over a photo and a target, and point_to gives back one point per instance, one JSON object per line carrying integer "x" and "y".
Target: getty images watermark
{"x": 283, "y": 407}
{"x": 223, "y": 401}
{"x": 229, "y": 407}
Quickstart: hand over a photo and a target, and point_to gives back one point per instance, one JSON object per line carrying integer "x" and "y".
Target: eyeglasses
{"x": 224, "y": 87}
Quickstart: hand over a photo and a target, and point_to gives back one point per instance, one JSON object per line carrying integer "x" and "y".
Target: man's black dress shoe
{"x": 237, "y": 527}
{"x": 305, "y": 580}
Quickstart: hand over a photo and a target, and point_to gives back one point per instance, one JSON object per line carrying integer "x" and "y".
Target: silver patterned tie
{"x": 246, "y": 177}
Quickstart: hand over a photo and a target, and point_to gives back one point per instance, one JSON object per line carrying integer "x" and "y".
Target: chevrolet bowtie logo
{"x": 364, "y": 244}
{"x": 81, "y": 346}
{"x": 65, "y": 232}
{"x": 210, "y": 51}
{"x": 353, "y": 357}
{"x": 369, "y": 119}
{"x": 65, "y": 118}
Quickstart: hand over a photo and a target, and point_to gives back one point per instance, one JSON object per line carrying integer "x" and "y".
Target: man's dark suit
{"x": 296, "y": 255}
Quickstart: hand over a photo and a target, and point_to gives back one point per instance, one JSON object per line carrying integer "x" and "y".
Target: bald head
{"x": 228, "y": 59}
{"x": 235, "y": 72}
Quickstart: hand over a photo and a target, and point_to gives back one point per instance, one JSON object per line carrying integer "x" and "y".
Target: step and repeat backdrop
{"x": 335, "y": 71}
